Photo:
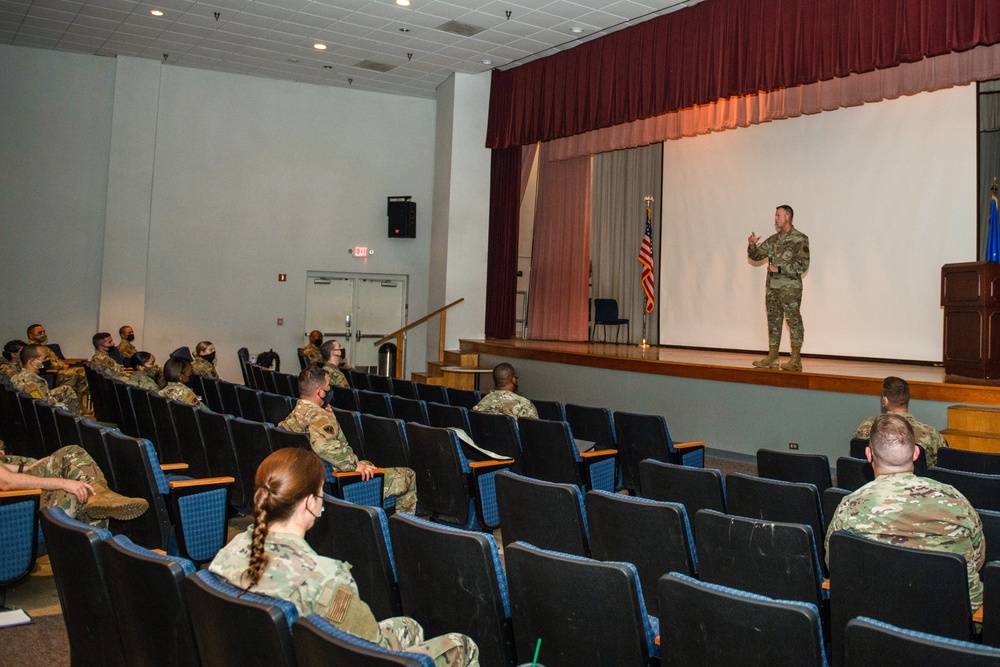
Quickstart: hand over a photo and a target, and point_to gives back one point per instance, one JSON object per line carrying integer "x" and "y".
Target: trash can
{"x": 387, "y": 360}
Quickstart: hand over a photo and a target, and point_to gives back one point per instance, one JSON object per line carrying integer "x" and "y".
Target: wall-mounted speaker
{"x": 402, "y": 218}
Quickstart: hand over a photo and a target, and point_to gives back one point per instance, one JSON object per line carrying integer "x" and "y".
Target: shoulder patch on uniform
{"x": 337, "y": 611}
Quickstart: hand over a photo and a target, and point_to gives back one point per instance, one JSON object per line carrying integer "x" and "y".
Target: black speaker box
{"x": 402, "y": 219}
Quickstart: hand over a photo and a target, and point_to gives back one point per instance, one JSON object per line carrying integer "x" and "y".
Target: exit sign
{"x": 360, "y": 251}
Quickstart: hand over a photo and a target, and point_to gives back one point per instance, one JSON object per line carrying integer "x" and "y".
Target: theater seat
{"x": 319, "y": 644}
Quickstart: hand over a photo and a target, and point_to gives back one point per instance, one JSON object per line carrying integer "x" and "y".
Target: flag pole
{"x": 648, "y": 202}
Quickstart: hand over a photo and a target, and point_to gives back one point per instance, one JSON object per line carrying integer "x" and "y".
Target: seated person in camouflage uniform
{"x": 125, "y": 346}
{"x": 504, "y": 400}
{"x": 909, "y": 511}
{"x": 101, "y": 362}
{"x": 896, "y": 399}
{"x": 176, "y": 372}
{"x": 312, "y": 349}
{"x": 330, "y": 443}
{"x": 330, "y": 350}
{"x": 70, "y": 479}
{"x": 146, "y": 373}
{"x": 273, "y": 558}
{"x": 11, "y": 365}
{"x": 29, "y": 380}
{"x": 75, "y": 378}
{"x": 204, "y": 360}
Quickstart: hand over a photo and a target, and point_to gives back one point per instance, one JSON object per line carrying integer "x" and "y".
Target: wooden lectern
{"x": 970, "y": 294}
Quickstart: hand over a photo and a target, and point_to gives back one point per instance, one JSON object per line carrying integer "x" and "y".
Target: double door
{"x": 356, "y": 309}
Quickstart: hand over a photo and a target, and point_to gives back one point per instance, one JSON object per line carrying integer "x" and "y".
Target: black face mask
{"x": 46, "y": 366}
{"x": 210, "y": 357}
{"x": 130, "y": 337}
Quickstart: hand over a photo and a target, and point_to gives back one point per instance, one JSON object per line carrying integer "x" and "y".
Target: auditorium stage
{"x": 831, "y": 375}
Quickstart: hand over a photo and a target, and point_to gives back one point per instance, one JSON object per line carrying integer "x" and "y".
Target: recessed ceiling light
{"x": 576, "y": 30}
{"x": 321, "y": 47}
{"x": 404, "y": 30}
{"x": 403, "y": 3}
{"x": 487, "y": 61}
{"x": 156, "y": 12}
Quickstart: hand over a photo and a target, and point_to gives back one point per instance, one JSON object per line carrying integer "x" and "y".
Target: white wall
{"x": 55, "y": 134}
{"x": 249, "y": 178}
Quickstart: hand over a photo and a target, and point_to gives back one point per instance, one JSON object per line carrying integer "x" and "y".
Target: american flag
{"x": 646, "y": 259}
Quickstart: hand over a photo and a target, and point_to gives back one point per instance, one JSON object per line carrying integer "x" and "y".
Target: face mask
{"x": 210, "y": 357}
{"x": 42, "y": 339}
{"x": 130, "y": 337}
{"x": 152, "y": 372}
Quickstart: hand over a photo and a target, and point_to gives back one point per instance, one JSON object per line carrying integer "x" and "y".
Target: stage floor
{"x": 844, "y": 376}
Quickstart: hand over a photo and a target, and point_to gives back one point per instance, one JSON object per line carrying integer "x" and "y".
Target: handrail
{"x": 398, "y": 335}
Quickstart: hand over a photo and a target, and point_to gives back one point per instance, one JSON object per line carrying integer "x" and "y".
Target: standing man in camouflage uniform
{"x": 905, "y": 510}
{"x": 29, "y": 380}
{"x": 273, "y": 558}
{"x": 312, "y": 349}
{"x": 70, "y": 479}
{"x": 504, "y": 400}
{"x": 330, "y": 443}
{"x": 101, "y": 362}
{"x": 75, "y": 378}
{"x": 896, "y": 399}
{"x": 125, "y": 346}
{"x": 330, "y": 352}
{"x": 787, "y": 255}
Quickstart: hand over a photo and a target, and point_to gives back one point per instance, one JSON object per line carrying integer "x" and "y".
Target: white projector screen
{"x": 886, "y": 193}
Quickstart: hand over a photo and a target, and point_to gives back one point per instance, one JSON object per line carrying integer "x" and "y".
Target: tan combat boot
{"x": 106, "y": 504}
{"x": 795, "y": 363}
{"x": 770, "y": 361}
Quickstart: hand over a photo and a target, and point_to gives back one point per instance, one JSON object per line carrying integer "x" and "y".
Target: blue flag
{"x": 993, "y": 238}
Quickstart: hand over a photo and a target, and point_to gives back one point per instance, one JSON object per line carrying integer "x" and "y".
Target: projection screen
{"x": 886, "y": 193}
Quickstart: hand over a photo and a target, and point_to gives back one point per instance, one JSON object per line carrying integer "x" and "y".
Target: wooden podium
{"x": 970, "y": 294}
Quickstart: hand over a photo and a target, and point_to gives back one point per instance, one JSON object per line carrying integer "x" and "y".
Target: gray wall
{"x": 736, "y": 418}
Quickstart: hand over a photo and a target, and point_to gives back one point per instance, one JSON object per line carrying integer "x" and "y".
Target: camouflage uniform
{"x": 36, "y": 387}
{"x": 203, "y": 367}
{"x": 179, "y": 392}
{"x": 503, "y": 402}
{"x": 127, "y": 349}
{"x": 927, "y": 436}
{"x": 330, "y": 444}
{"x": 910, "y": 511}
{"x": 74, "y": 378}
{"x": 313, "y": 353}
{"x": 106, "y": 366}
{"x": 324, "y": 586}
{"x": 142, "y": 380}
{"x": 67, "y": 463}
{"x": 336, "y": 377}
{"x": 790, "y": 253}
{"x": 10, "y": 368}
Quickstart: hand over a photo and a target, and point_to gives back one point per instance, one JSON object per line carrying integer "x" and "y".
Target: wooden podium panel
{"x": 970, "y": 294}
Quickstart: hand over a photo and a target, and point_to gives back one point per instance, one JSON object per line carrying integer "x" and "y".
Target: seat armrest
{"x": 354, "y": 473}
{"x": 689, "y": 445}
{"x": 170, "y": 467}
{"x": 825, "y": 585}
{"x": 599, "y": 453}
{"x": 205, "y": 481}
{"x": 20, "y": 492}
{"x": 978, "y": 616}
{"x": 492, "y": 463}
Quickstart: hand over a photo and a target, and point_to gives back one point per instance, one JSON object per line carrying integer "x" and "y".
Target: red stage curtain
{"x": 501, "y": 256}
{"x": 720, "y": 49}
{"x": 558, "y": 303}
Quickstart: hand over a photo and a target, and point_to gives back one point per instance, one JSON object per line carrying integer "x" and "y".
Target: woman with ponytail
{"x": 273, "y": 558}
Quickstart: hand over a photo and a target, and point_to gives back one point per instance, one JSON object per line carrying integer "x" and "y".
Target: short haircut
{"x": 326, "y": 349}
{"x": 502, "y": 374}
{"x": 99, "y": 336}
{"x": 891, "y": 440}
{"x": 311, "y": 379}
{"x": 30, "y": 351}
{"x": 175, "y": 368}
{"x": 897, "y": 391}
{"x": 121, "y": 329}
{"x": 201, "y": 347}
{"x": 788, "y": 209}
{"x": 12, "y": 348}
{"x": 32, "y": 328}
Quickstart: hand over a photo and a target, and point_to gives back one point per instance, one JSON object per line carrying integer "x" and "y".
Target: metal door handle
{"x": 357, "y": 335}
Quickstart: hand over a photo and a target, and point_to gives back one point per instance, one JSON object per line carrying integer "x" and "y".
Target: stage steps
{"x": 974, "y": 428}
{"x": 443, "y": 373}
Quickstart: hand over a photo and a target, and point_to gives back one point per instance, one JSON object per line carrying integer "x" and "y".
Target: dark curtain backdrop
{"x": 721, "y": 49}
{"x": 501, "y": 270}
